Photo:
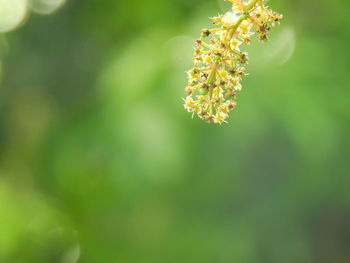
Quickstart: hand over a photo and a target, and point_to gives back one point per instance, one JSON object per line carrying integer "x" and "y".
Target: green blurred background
{"x": 100, "y": 163}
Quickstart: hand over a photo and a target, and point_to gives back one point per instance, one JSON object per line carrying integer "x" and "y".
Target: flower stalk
{"x": 219, "y": 65}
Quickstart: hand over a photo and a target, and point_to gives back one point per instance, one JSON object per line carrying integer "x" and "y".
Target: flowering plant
{"x": 219, "y": 65}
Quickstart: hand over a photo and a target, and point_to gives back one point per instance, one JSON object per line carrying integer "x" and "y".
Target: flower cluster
{"x": 219, "y": 64}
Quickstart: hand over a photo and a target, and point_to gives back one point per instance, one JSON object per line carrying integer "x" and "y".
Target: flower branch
{"x": 219, "y": 65}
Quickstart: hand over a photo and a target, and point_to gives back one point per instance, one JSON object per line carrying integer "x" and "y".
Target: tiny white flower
{"x": 230, "y": 18}
{"x": 238, "y": 87}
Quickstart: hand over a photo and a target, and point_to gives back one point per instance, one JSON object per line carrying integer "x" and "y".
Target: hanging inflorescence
{"x": 219, "y": 65}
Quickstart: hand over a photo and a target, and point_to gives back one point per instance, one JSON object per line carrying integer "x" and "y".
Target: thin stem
{"x": 212, "y": 75}
{"x": 205, "y": 45}
{"x": 235, "y": 26}
{"x": 250, "y": 5}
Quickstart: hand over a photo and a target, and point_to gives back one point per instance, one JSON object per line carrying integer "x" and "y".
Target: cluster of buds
{"x": 219, "y": 64}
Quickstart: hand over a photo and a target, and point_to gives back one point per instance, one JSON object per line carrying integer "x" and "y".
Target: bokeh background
{"x": 100, "y": 163}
